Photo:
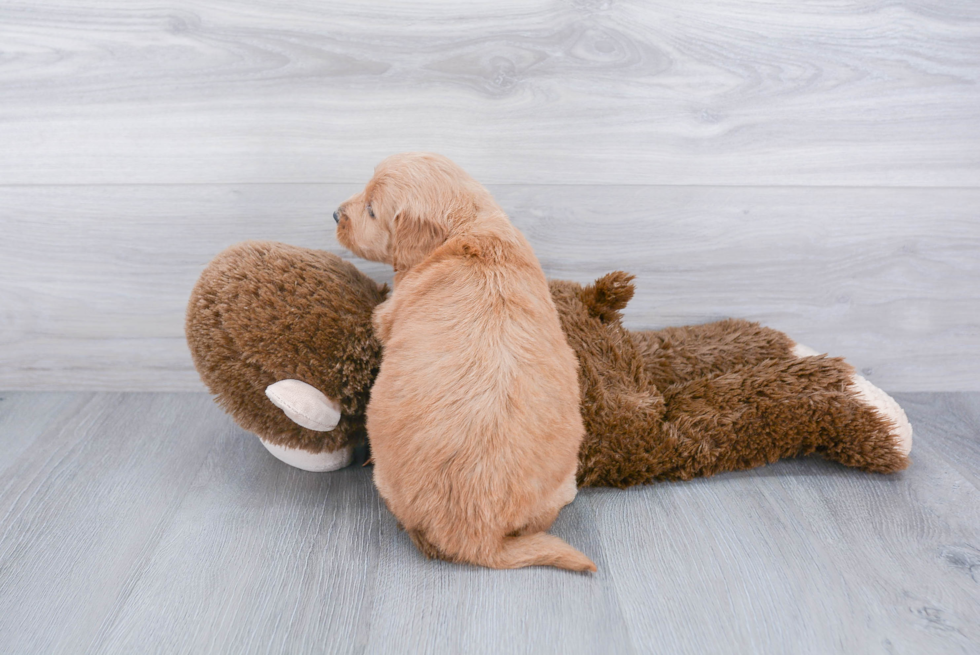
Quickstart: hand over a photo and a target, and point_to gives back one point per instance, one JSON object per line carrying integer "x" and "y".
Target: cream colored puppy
{"x": 474, "y": 417}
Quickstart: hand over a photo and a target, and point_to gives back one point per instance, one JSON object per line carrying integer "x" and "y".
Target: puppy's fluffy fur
{"x": 474, "y": 418}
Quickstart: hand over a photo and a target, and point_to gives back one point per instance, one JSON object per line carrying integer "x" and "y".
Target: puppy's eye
{"x": 370, "y": 211}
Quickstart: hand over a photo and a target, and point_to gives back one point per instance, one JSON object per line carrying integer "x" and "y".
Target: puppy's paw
{"x": 307, "y": 461}
{"x": 304, "y": 404}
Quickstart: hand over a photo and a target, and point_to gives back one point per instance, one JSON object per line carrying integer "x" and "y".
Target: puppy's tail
{"x": 539, "y": 549}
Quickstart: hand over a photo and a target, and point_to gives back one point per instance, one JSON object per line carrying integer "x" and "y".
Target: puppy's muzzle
{"x": 336, "y": 216}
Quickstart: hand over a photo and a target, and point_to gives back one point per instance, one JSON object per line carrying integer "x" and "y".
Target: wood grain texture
{"x": 94, "y": 280}
{"x": 84, "y": 504}
{"x": 805, "y": 556}
{"x": 589, "y": 92}
{"x": 150, "y": 523}
{"x": 302, "y": 551}
{"x": 26, "y": 416}
{"x": 471, "y": 610}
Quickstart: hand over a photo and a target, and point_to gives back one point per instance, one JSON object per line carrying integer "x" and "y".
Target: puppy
{"x": 474, "y": 417}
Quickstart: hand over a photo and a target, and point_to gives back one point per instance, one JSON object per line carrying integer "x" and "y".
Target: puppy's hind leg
{"x": 425, "y": 546}
{"x": 562, "y": 496}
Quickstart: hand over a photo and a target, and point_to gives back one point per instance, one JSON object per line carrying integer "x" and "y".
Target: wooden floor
{"x": 134, "y": 523}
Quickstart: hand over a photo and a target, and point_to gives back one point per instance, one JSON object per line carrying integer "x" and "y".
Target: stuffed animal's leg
{"x": 759, "y": 414}
{"x": 747, "y": 417}
{"x": 681, "y": 354}
{"x": 874, "y": 397}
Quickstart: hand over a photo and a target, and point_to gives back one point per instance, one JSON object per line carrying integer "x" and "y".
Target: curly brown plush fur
{"x": 671, "y": 404}
{"x": 686, "y": 402}
{"x": 263, "y": 312}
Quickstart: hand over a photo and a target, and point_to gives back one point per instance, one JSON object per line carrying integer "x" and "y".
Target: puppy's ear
{"x": 607, "y": 295}
{"x": 415, "y": 237}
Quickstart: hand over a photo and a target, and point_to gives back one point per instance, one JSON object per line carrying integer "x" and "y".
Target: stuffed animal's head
{"x": 262, "y": 312}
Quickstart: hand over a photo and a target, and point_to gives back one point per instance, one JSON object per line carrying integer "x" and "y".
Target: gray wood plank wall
{"x": 814, "y": 167}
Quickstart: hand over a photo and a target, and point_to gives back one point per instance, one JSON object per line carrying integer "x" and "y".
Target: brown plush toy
{"x": 282, "y": 335}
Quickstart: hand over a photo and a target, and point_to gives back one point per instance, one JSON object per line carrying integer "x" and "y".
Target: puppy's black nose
{"x": 336, "y": 217}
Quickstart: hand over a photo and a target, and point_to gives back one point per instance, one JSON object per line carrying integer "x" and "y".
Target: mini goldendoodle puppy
{"x": 474, "y": 417}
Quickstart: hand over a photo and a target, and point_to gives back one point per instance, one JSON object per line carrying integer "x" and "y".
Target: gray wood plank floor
{"x": 151, "y": 523}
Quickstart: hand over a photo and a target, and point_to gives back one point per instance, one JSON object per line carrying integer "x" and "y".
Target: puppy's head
{"x": 407, "y": 210}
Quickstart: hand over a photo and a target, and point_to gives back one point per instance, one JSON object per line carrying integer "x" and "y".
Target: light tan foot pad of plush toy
{"x": 309, "y": 407}
{"x": 874, "y": 397}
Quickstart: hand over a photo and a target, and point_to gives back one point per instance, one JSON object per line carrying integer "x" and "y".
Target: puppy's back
{"x": 477, "y": 404}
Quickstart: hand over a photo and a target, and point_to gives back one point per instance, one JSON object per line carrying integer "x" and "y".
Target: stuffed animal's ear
{"x": 415, "y": 236}
{"x": 607, "y": 295}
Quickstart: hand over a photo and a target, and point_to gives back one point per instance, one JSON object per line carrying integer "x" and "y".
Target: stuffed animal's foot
{"x": 878, "y": 400}
{"x": 885, "y": 405}
{"x": 315, "y": 462}
{"x": 304, "y": 404}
